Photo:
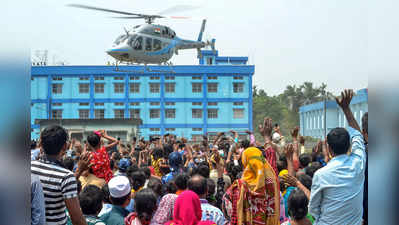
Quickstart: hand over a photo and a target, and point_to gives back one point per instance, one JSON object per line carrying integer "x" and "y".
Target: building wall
{"x": 70, "y": 101}
{"x": 312, "y": 116}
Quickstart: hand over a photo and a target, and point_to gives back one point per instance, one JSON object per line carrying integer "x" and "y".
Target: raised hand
{"x": 346, "y": 97}
{"x": 289, "y": 150}
{"x": 268, "y": 127}
{"x": 84, "y": 161}
{"x": 294, "y": 133}
{"x": 290, "y": 180}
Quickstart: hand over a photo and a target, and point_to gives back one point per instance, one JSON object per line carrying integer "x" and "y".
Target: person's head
{"x": 312, "y": 168}
{"x": 187, "y": 208}
{"x": 281, "y": 165}
{"x": 306, "y": 180}
{"x": 301, "y": 140}
{"x": 211, "y": 186}
{"x": 145, "y": 204}
{"x": 138, "y": 179}
{"x": 175, "y": 161}
{"x": 155, "y": 184}
{"x": 90, "y": 200}
{"x": 202, "y": 169}
{"x": 123, "y": 165}
{"x": 297, "y": 205}
{"x": 276, "y": 137}
{"x": 53, "y": 140}
{"x": 157, "y": 153}
{"x": 170, "y": 187}
{"x": 199, "y": 185}
{"x": 68, "y": 163}
{"x": 245, "y": 144}
{"x": 181, "y": 181}
{"x": 94, "y": 140}
{"x": 106, "y": 196}
{"x": 33, "y": 145}
{"x": 305, "y": 159}
{"x": 146, "y": 171}
{"x": 167, "y": 149}
{"x": 338, "y": 141}
{"x": 119, "y": 191}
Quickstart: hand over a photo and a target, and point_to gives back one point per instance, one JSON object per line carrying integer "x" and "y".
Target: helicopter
{"x": 149, "y": 43}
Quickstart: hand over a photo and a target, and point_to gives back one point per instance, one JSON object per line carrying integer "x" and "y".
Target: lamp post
{"x": 325, "y": 115}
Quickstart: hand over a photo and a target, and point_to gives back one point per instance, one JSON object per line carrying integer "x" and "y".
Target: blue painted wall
{"x": 311, "y": 116}
{"x": 43, "y": 99}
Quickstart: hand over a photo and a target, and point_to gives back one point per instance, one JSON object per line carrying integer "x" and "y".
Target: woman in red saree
{"x": 255, "y": 198}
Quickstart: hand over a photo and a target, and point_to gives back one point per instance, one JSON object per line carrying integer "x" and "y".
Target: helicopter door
{"x": 148, "y": 44}
{"x": 157, "y": 45}
{"x": 138, "y": 44}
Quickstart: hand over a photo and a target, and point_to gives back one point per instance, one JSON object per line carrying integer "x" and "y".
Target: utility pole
{"x": 325, "y": 116}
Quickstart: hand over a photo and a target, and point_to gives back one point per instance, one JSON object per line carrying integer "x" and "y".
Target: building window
{"x": 57, "y": 88}
{"x": 154, "y": 103}
{"x": 154, "y": 87}
{"x": 134, "y": 87}
{"x": 99, "y": 104}
{"x": 134, "y": 113}
{"x": 196, "y": 137}
{"x": 119, "y": 113}
{"x": 210, "y": 61}
{"x": 56, "y": 114}
{"x": 212, "y": 87}
{"x": 238, "y": 78}
{"x": 135, "y": 103}
{"x": 170, "y": 87}
{"x": 169, "y": 77}
{"x": 98, "y": 78}
{"x": 119, "y": 104}
{"x": 83, "y": 114}
{"x": 119, "y": 87}
{"x": 57, "y": 78}
{"x": 84, "y": 104}
{"x": 238, "y": 87}
{"x": 196, "y": 78}
{"x": 212, "y": 103}
{"x": 197, "y": 103}
{"x": 197, "y": 129}
{"x": 83, "y": 78}
{"x": 154, "y": 78}
{"x": 99, "y": 113}
{"x": 212, "y": 113}
{"x": 154, "y": 113}
{"x": 134, "y": 78}
{"x": 119, "y": 78}
{"x": 56, "y": 104}
{"x": 238, "y": 103}
{"x": 155, "y": 129}
{"x": 238, "y": 113}
{"x": 170, "y": 113}
{"x": 170, "y": 129}
{"x": 212, "y": 78}
{"x": 196, "y": 113}
{"x": 99, "y": 88}
{"x": 83, "y": 88}
{"x": 196, "y": 87}
{"x": 169, "y": 103}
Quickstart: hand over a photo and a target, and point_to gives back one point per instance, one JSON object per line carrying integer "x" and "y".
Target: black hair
{"x": 93, "y": 140}
{"x": 156, "y": 185}
{"x": 297, "y": 204}
{"x": 281, "y": 165}
{"x": 33, "y": 145}
{"x": 170, "y": 187}
{"x": 245, "y": 143}
{"x": 157, "y": 153}
{"x": 211, "y": 186}
{"x": 164, "y": 169}
{"x": 90, "y": 200}
{"x": 233, "y": 171}
{"x": 167, "y": 149}
{"x": 146, "y": 171}
{"x": 305, "y": 159}
{"x": 181, "y": 181}
{"x": 53, "y": 139}
{"x": 145, "y": 203}
{"x": 306, "y": 180}
{"x": 338, "y": 140}
{"x": 68, "y": 163}
{"x": 365, "y": 122}
{"x": 119, "y": 201}
{"x": 312, "y": 168}
{"x": 78, "y": 185}
{"x": 112, "y": 164}
{"x": 202, "y": 170}
{"x": 117, "y": 156}
{"x": 138, "y": 179}
{"x": 106, "y": 195}
{"x": 198, "y": 184}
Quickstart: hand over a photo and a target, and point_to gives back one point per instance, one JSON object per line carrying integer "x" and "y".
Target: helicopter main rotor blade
{"x": 127, "y": 17}
{"x": 104, "y": 10}
{"x": 178, "y": 8}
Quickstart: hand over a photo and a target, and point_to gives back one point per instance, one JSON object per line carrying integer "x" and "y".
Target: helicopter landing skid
{"x": 145, "y": 69}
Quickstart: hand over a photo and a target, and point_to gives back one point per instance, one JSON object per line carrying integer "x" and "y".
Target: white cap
{"x": 119, "y": 186}
{"x": 276, "y": 137}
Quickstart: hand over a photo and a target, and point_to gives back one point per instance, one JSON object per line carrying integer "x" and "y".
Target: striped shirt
{"x": 58, "y": 184}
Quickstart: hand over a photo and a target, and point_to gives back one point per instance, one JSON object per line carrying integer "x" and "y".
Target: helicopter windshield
{"x": 120, "y": 39}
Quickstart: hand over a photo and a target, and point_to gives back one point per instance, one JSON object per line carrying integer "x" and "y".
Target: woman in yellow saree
{"x": 253, "y": 199}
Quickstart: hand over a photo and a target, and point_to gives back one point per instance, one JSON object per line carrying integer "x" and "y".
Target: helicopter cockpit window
{"x": 157, "y": 45}
{"x": 148, "y": 44}
{"x": 120, "y": 39}
{"x": 131, "y": 40}
{"x": 138, "y": 43}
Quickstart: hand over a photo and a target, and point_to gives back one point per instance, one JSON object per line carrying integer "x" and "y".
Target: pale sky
{"x": 288, "y": 41}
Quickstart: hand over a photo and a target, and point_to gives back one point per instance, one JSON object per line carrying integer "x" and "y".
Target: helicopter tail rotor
{"x": 202, "y": 30}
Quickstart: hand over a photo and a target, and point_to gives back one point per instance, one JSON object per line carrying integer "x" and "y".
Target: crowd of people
{"x": 228, "y": 180}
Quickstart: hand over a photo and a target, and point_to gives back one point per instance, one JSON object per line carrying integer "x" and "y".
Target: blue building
{"x": 191, "y": 100}
{"x": 312, "y": 116}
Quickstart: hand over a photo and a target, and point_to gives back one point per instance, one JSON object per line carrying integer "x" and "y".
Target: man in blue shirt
{"x": 337, "y": 189}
